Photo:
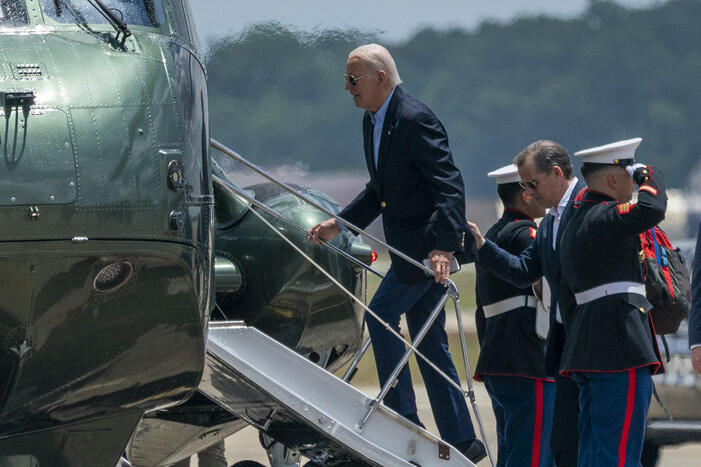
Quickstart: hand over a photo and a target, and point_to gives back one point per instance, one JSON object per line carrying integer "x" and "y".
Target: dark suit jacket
{"x": 695, "y": 312}
{"x": 416, "y": 186}
{"x": 539, "y": 259}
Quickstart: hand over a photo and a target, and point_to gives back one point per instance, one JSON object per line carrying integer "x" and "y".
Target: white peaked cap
{"x": 610, "y": 153}
{"x": 506, "y": 174}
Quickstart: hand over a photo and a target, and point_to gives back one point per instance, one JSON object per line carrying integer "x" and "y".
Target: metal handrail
{"x": 412, "y": 346}
{"x": 238, "y": 158}
{"x": 451, "y": 292}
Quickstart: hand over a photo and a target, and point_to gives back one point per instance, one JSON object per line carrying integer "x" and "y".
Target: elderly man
{"x": 546, "y": 175}
{"x": 512, "y": 353}
{"x": 416, "y": 187}
{"x": 610, "y": 350}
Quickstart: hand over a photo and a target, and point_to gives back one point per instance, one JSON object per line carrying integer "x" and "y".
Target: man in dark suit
{"x": 546, "y": 175}
{"x": 512, "y": 353}
{"x": 695, "y": 312}
{"x": 416, "y": 187}
{"x": 610, "y": 350}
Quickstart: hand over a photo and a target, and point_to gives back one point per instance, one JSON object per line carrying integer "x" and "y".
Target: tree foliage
{"x": 277, "y": 97}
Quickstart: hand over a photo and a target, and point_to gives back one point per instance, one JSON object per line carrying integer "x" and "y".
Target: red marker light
{"x": 373, "y": 257}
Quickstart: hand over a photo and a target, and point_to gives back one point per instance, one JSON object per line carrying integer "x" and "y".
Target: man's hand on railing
{"x": 324, "y": 231}
{"x": 479, "y": 239}
{"x": 440, "y": 264}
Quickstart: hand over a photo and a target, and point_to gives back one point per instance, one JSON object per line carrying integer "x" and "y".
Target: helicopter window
{"x": 147, "y": 13}
{"x": 12, "y": 13}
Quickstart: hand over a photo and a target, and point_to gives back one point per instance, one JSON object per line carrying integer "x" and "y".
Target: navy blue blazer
{"x": 416, "y": 186}
{"x": 695, "y": 312}
{"x": 538, "y": 260}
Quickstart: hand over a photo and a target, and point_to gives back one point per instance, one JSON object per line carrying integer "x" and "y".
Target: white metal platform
{"x": 286, "y": 383}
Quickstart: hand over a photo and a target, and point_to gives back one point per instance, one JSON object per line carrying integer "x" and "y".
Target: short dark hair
{"x": 546, "y": 155}
{"x": 508, "y": 192}
{"x": 591, "y": 171}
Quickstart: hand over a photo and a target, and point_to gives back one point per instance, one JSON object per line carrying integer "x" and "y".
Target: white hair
{"x": 379, "y": 58}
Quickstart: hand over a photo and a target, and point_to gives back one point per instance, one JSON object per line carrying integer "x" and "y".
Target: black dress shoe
{"x": 474, "y": 450}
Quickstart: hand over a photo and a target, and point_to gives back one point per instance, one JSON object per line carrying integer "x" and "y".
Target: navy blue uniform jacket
{"x": 601, "y": 245}
{"x": 416, "y": 186}
{"x": 509, "y": 344}
{"x": 538, "y": 260}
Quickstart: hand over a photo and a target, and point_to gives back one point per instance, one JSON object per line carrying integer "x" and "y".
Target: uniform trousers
{"x": 564, "y": 440}
{"x": 417, "y": 300}
{"x": 523, "y": 409}
{"x": 613, "y": 409}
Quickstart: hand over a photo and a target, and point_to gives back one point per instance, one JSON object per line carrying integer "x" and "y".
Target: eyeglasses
{"x": 354, "y": 80}
{"x": 532, "y": 184}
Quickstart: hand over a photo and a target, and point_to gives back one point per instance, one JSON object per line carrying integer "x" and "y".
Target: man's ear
{"x": 527, "y": 200}
{"x": 612, "y": 181}
{"x": 381, "y": 76}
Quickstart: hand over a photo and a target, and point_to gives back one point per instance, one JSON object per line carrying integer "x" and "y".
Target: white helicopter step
{"x": 284, "y": 382}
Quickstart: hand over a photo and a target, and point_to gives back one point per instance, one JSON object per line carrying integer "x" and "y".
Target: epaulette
{"x": 624, "y": 208}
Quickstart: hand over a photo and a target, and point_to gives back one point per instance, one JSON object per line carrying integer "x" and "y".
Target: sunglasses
{"x": 354, "y": 80}
{"x": 532, "y": 184}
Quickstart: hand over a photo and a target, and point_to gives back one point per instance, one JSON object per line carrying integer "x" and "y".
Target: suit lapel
{"x": 388, "y": 127}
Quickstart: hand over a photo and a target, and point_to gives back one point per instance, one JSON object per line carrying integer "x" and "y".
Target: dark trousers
{"x": 523, "y": 409}
{"x": 392, "y": 299}
{"x": 564, "y": 439}
{"x": 613, "y": 409}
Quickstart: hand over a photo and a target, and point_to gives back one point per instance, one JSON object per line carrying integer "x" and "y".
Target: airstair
{"x": 309, "y": 399}
{"x": 295, "y": 402}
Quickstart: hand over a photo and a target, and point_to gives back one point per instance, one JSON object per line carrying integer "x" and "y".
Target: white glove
{"x": 632, "y": 168}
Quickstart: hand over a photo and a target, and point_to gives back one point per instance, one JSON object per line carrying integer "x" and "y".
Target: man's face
{"x": 547, "y": 191}
{"x": 367, "y": 92}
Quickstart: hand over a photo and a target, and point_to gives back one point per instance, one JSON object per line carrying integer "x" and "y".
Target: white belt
{"x": 609, "y": 289}
{"x": 509, "y": 304}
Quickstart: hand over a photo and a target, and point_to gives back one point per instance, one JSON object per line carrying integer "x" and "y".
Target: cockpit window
{"x": 12, "y": 13}
{"x": 147, "y": 13}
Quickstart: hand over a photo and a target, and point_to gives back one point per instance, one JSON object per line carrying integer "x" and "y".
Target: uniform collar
{"x": 515, "y": 214}
{"x": 592, "y": 196}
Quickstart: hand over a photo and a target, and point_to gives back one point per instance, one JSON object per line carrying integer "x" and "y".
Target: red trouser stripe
{"x": 538, "y": 428}
{"x": 630, "y": 403}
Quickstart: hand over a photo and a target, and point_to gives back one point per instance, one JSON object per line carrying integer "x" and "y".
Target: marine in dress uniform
{"x": 512, "y": 354}
{"x": 610, "y": 350}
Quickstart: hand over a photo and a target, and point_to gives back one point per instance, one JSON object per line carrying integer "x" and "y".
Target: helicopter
{"x": 123, "y": 241}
